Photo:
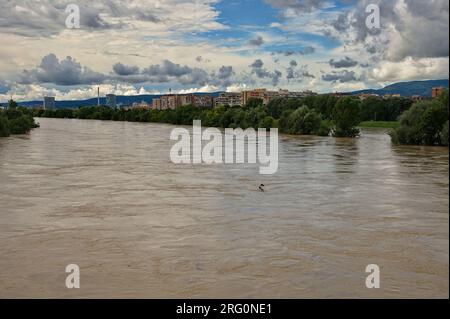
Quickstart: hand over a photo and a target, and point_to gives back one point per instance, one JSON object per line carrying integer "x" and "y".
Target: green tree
{"x": 253, "y": 103}
{"x": 346, "y": 116}
{"x": 304, "y": 121}
{"x": 432, "y": 122}
{"x": 443, "y": 97}
{"x": 426, "y": 123}
{"x": 12, "y": 104}
{"x": 325, "y": 128}
{"x": 268, "y": 122}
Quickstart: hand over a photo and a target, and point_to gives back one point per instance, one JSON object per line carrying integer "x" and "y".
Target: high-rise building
{"x": 49, "y": 103}
{"x": 111, "y": 101}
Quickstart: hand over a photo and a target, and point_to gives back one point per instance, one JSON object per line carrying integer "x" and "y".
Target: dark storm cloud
{"x": 225, "y": 72}
{"x": 262, "y": 73}
{"x": 68, "y": 72}
{"x": 258, "y": 41}
{"x": 305, "y": 51}
{"x": 293, "y": 72}
{"x": 342, "y": 77}
{"x": 121, "y": 69}
{"x": 343, "y": 63}
{"x": 257, "y": 64}
{"x": 167, "y": 68}
{"x": 169, "y": 71}
{"x": 298, "y": 6}
{"x": 341, "y": 23}
{"x": 64, "y": 72}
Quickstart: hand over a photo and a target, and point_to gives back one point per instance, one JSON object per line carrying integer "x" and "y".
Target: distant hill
{"x": 408, "y": 89}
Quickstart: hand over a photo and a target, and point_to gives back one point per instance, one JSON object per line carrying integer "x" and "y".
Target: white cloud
{"x": 203, "y": 89}
{"x": 35, "y": 92}
{"x": 413, "y": 43}
{"x": 411, "y": 69}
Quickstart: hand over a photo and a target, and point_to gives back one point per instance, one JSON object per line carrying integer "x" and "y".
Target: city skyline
{"x": 147, "y": 47}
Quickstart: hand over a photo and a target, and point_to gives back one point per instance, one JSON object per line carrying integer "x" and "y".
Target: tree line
{"x": 322, "y": 115}
{"x": 339, "y": 117}
{"x": 319, "y": 115}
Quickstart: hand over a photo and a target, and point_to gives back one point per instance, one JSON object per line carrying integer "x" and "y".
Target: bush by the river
{"x": 16, "y": 121}
{"x": 304, "y": 121}
{"x": 426, "y": 123}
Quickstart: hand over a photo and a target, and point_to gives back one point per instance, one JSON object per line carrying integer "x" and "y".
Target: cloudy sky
{"x": 149, "y": 46}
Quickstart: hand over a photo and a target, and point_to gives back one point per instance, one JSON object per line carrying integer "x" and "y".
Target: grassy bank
{"x": 381, "y": 124}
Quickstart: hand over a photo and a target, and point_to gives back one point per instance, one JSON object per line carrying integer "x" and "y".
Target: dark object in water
{"x": 261, "y": 188}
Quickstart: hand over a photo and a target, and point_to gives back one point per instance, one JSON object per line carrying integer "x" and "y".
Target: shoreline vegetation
{"x": 410, "y": 123}
{"x": 16, "y": 120}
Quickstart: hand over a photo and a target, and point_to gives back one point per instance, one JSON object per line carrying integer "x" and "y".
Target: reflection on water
{"x": 105, "y": 196}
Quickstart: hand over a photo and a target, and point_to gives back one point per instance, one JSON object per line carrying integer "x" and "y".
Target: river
{"x": 105, "y": 196}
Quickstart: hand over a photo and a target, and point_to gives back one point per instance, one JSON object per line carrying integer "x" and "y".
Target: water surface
{"x": 105, "y": 196}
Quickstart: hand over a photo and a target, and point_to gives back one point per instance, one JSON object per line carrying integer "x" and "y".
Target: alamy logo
{"x": 73, "y": 18}
{"x": 228, "y": 148}
{"x": 373, "y": 20}
{"x": 73, "y": 279}
{"x": 373, "y": 280}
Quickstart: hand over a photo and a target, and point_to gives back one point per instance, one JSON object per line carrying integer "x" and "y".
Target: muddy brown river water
{"x": 105, "y": 196}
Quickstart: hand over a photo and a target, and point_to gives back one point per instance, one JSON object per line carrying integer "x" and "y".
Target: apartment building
{"x": 267, "y": 96}
{"x": 203, "y": 101}
{"x": 171, "y": 102}
{"x": 253, "y": 94}
{"x": 228, "y": 99}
